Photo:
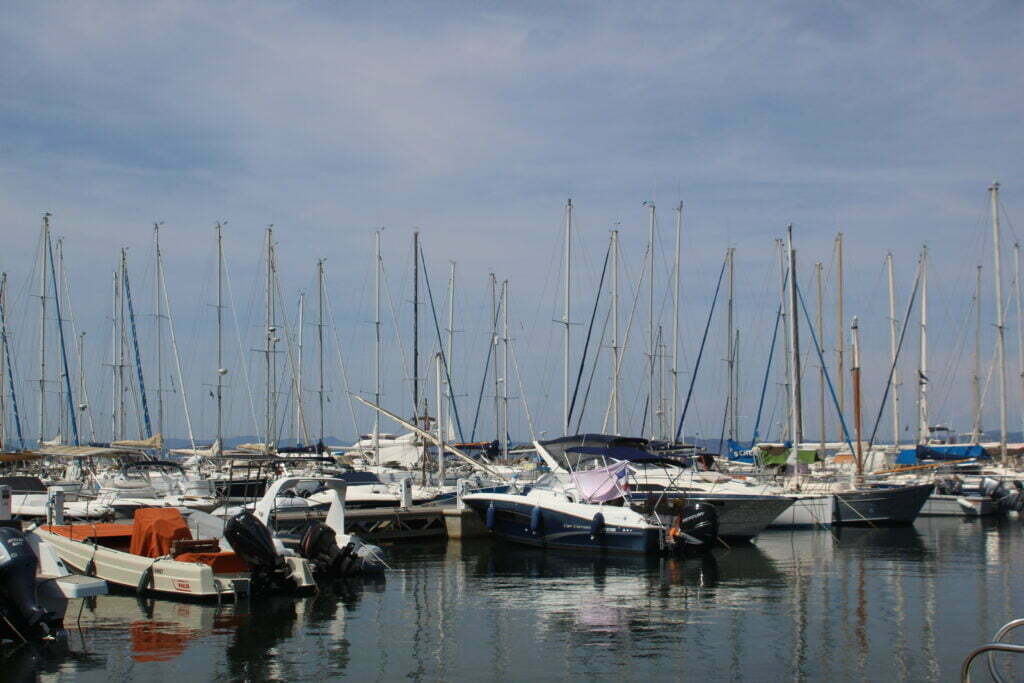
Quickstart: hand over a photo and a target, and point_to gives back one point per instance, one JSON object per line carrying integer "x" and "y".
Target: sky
{"x": 474, "y": 123}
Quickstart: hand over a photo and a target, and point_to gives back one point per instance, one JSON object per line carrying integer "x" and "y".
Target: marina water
{"x": 867, "y": 604}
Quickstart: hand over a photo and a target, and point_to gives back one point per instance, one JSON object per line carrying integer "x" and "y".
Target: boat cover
{"x": 910, "y": 456}
{"x": 602, "y": 484}
{"x": 155, "y": 529}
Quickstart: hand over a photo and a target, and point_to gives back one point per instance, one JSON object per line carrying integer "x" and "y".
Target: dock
{"x": 415, "y": 523}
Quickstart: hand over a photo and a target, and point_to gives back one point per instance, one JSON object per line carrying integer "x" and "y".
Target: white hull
{"x": 806, "y": 512}
{"x": 939, "y": 505}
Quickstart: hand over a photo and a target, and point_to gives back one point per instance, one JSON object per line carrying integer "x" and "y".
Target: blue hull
{"x": 514, "y": 521}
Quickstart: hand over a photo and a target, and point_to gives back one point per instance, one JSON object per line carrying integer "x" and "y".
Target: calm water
{"x": 878, "y": 604}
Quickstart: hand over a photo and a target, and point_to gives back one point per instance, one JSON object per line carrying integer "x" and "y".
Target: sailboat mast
{"x": 159, "y": 333}
{"x": 3, "y": 369}
{"x": 730, "y": 358}
{"x": 504, "y": 372}
{"x": 1020, "y": 318}
{"x": 376, "y": 346}
{"x": 221, "y": 371}
{"x": 922, "y": 368}
{"x": 976, "y": 374}
{"x": 42, "y": 327}
{"x": 784, "y": 309}
{"x": 855, "y": 339}
{"x": 796, "y": 423}
{"x": 439, "y": 397}
{"x": 615, "y": 332}
{"x": 320, "y": 344}
{"x": 821, "y": 351}
{"x": 269, "y": 322}
{"x": 451, "y": 333}
{"x": 415, "y": 326}
{"x": 675, "y": 315}
{"x": 113, "y": 359}
{"x": 121, "y": 350}
{"x": 650, "y": 321}
{"x": 840, "y": 325}
{"x": 566, "y": 320}
{"x": 894, "y": 387}
{"x": 1000, "y": 327}
{"x": 494, "y": 355}
{"x": 298, "y": 372}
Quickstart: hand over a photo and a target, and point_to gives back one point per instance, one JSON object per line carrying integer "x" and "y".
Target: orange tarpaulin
{"x": 155, "y": 529}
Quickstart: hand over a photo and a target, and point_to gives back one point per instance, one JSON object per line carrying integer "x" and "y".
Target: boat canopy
{"x": 571, "y": 452}
{"x": 911, "y": 456}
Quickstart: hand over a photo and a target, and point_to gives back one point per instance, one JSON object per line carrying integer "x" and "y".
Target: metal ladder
{"x": 997, "y": 645}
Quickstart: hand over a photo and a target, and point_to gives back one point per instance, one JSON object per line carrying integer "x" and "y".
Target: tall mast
{"x": 650, "y": 322}
{"x": 1000, "y": 328}
{"x": 795, "y": 420}
{"x": 121, "y": 350}
{"x": 320, "y": 343}
{"x": 821, "y": 351}
{"x": 298, "y": 372}
{"x": 270, "y": 338}
{"x": 504, "y": 372}
{"x": 42, "y": 328}
{"x": 675, "y": 316}
{"x": 567, "y": 318}
{"x": 730, "y": 354}
{"x": 894, "y": 387}
{"x": 615, "y": 332}
{"x": 494, "y": 355}
{"x": 840, "y": 326}
{"x": 159, "y": 333}
{"x": 376, "y": 346}
{"x": 113, "y": 359}
{"x": 976, "y": 375}
{"x": 439, "y": 386}
{"x": 855, "y": 339}
{"x": 784, "y": 309}
{"x": 451, "y": 333}
{"x": 3, "y": 369}
{"x": 221, "y": 370}
{"x": 415, "y": 326}
{"x": 1020, "y": 318}
{"x": 62, "y": 383}
{"x": 922, "y": 368}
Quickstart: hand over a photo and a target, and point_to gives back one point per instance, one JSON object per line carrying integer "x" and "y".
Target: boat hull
{"x": 807, "y": 512}
{"x": 740, "y": 517}
{"x": 881, "y": 506}
{"x": 513, "y": 521}
{"x": 941, "y": 505}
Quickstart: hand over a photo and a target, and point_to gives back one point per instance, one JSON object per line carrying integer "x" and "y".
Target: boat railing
{"x": 997, "y": 645}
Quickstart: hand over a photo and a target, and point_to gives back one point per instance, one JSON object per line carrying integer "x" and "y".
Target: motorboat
{"x": 590, "y": 511}
{"x": 743, "y": 510}
{"x": 157, "y": 553}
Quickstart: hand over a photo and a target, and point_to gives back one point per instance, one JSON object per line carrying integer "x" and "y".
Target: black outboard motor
{"x": 23, "y": 618}
{"x": 319, "y": 545}
{"x": 251, "y": 539}
{"x": 695, "y": 528}
{"x": 952, "y": 486}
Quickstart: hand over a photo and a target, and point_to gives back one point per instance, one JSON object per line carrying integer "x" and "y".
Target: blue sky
{"x": 475, "y": 122}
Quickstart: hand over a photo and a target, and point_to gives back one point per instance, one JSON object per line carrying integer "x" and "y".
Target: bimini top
{"x": 580, "y": 450}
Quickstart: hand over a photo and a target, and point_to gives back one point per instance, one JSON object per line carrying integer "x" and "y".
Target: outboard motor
{"x": 951, "y": 486}
{"x": 988, "y": 487}
{"x": 23, "y": 618}
{"x": 319, "y": 545}
{"x": 251, "y": 539}
{"x": 695, "y": 528}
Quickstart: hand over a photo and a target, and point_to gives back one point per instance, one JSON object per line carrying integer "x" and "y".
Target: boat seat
{"x": 221, "y": 562}
{"x": 199, "y": 545}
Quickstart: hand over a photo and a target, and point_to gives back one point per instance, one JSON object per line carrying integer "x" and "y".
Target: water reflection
{"x": 893, "y": 604}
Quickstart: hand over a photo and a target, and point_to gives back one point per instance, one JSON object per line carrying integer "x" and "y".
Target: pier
{"x": 415, "y": 523}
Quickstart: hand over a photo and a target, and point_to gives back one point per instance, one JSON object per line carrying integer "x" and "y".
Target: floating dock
{"x": 416, "y": 523}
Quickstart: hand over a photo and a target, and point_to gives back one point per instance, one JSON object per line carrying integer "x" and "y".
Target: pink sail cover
{"x": 602, "y": 485}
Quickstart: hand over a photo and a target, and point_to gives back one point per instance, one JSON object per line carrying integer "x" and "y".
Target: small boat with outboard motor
{"x": 35, "y": 585}
{"x": 158, "y": 553}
